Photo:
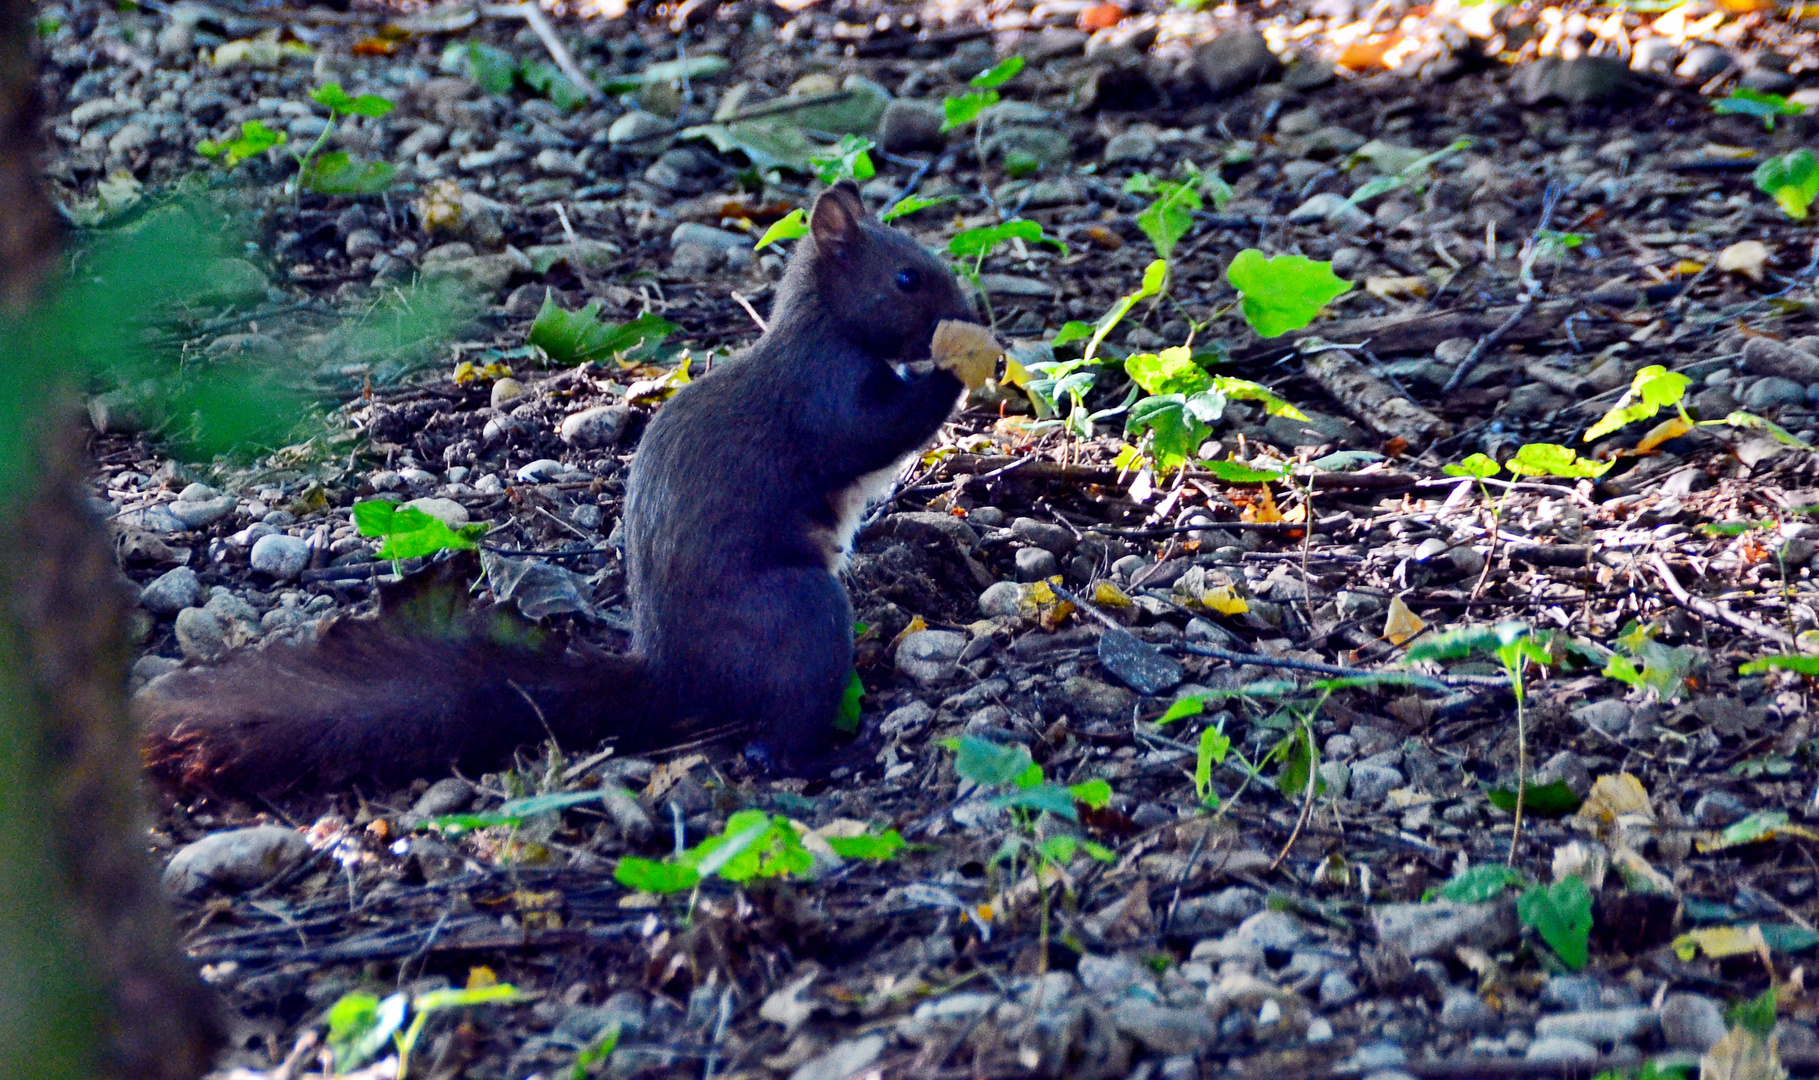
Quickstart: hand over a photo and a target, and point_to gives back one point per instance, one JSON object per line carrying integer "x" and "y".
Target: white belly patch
{"x": 849, "y": 508}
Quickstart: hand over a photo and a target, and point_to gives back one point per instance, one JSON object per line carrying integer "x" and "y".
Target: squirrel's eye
{"x": 908, "y": 280}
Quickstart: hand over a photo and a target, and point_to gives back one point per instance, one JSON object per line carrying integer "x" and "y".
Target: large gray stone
{"x": 930, "y": 656}
{"x": 1234, "y": 60}
{"x": 172, "y": 591}
{"x": 234, "y": 860}
{"x": 1691, "y": 1022}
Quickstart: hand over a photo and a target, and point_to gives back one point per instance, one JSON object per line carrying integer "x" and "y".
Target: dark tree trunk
{"x": 91, "y": 984}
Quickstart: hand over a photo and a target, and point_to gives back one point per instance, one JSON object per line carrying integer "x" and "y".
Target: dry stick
{"x": 546, "y": 33}
{"x": 1197, "y": 649}
{"x": 739, "y": 298}
{"x": 1698, "y": 605}
{"x": 771, "y": 108}
{"x": 1473, "y": 358}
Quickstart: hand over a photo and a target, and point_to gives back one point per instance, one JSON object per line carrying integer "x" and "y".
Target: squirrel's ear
{"x": 835, "y": 219}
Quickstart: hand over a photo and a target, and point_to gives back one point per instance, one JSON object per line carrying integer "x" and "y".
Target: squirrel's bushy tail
{"x": 378, "y": 702}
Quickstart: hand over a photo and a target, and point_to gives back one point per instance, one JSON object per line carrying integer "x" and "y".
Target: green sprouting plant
{"x": 1027, "y": 795}
{"x": 1166, "y": 220}
{"x": 964, "y": 109}
{"x": 1655, "y": 388}
{"x": 360, "y": 1024}
{"x": 850, "y": 159}
{"x": 1746, "y": 102}
{"x": 1398, "y": 170}
{"x": 254, "y": 139}
{"x": 598, "y": 1052}
{"x": 754, "y": 844}
{"x": 496, "y": 71}
{"x": 1073, "y": 379}
{"x": 1800, "y": 664}
{"x": 1515, "y": 647}
{"x": 1562, "y": 915}
{"x": 1183, "y": 400}
{"x": 515, "y": 813}
{"x": 334, "y": 173}
{"x": 410, "y": 533}
{"x": 1792, "y": 180}
{"x": 976, "y": 244}
{"x": 1552, "y": 459}
{"x": 1282, "y": 293}
{"x": 1642, "y": 662}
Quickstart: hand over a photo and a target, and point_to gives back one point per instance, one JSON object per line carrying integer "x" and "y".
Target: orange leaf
{"x": 375, "y": 46}
{"x": 1101, "y": 17}
{"x": 1671, "y": 428}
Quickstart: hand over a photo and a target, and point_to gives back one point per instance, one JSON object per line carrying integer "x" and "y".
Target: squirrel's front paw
{"x": 966, "y": 349}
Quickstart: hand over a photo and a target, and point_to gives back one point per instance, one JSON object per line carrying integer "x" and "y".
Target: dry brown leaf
{"x": 1746, "y": 257}
{"x": 1742, "y": 1055}
{"x": 966, "y": 349}
{"x": 1614, "y": 803}
{"x": 1394, "y": 287}
{"x": 1671, "y": 428}
{"x": 1401, "y": 623}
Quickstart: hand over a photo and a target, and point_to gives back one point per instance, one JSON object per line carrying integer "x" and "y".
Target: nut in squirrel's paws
{"x": 966, "y": 349}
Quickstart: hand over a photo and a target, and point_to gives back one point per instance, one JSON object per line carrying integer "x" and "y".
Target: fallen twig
{"x": 1699, "y": 605}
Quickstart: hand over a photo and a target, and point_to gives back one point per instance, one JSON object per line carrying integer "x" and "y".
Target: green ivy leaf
{"x": 849, "y": 160}
{"x": 1052, "y": 798}
{"x": 873, "y": 847}
{"x": 987, "y": 763}
{"x": 336, "y": 173}
{"x": 1183, "y": 708}
{"x": 1548, "y": 800}
{"x": 1792, "y": 180}
{"x": 964, "y": 109}
{"x": 1654, "y": 388}
{"x": 1214, "y": 745}
{"x": 1478, "y": 465}
{"x": 1746, "y": 102}
{"x": 495, "y": 70}
{"x": 330, "y": 96}
{"x": 1480, "y": 883}
{"x": 1096, "y": 794}
{"x": 847, "y": 719}
{"x": 1552, "y": 459}
{"x": 549, "y": 81}
{"x": 580, "y": 336}
{"x": 1175, "y": 433}
{"x": 913, "y": 203}
{"x": 409, "y": 533}
{"x": 998, "y": 74}
{"x": 791, "y": 226}
{"x": 1562, "y": 915}
{"x": 255, "y": 138}
{"x": 1245, "y": 390}
{"x": 1172, "y": 371}
{"x": 1233, "y": 472}
{"x": 974, "y": 243}
{"x": 1169, "y": 218}
{"x": 648, "y": 875}
{"x": 1804, "y": 665}
{"x": 360, "y": 1025}
{"x": 1283, "y": 293}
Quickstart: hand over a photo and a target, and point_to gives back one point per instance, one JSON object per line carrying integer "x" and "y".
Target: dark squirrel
{"x": 745, "y": 493}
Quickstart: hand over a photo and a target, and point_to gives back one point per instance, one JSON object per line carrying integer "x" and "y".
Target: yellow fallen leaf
{"x": 1671, "y": 428}
{"x": 1742, "y": 1055}
{"x": 1041, "y": 603}
{"x": 1686, "y": 267}
{"x": 1105, "y": 594}
{"x": 1262, "y": 509}
{"x": 1397, "y": 287}
{"x": 916, "y": 625}
{"x": 1718, "y": 942}
{"x": 439, "y": 207}
{"x": 1401, "y": 624}
{"x": 1613, "y": 803}
{"x": 480, "y": 977}
{"x": 1226, "y": 602}
{"x": 966, "y": 349}
{"x": 1746, "y": 257}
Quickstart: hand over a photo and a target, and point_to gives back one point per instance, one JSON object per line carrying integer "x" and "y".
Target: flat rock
{"x": 1135, "y": 663}
{"x": 1100, "y": 700}
{"x": 930, "y": 656}
{"x": 1691, "y": 1022}
{"x": 234, "y": 860}
{"x": 1597, "y": 1026}
{"x": 1436, "y": 929}
{"x": 447, "y": 511}
{"x": 842, "y": 1062}
{"x": 1165, "y": 1030}
{"x": 1579, "y": 81}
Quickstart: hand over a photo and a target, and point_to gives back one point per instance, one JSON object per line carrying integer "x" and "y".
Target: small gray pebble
{"x": 171, "y": 592}
{"x": 1035, "y": 564}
